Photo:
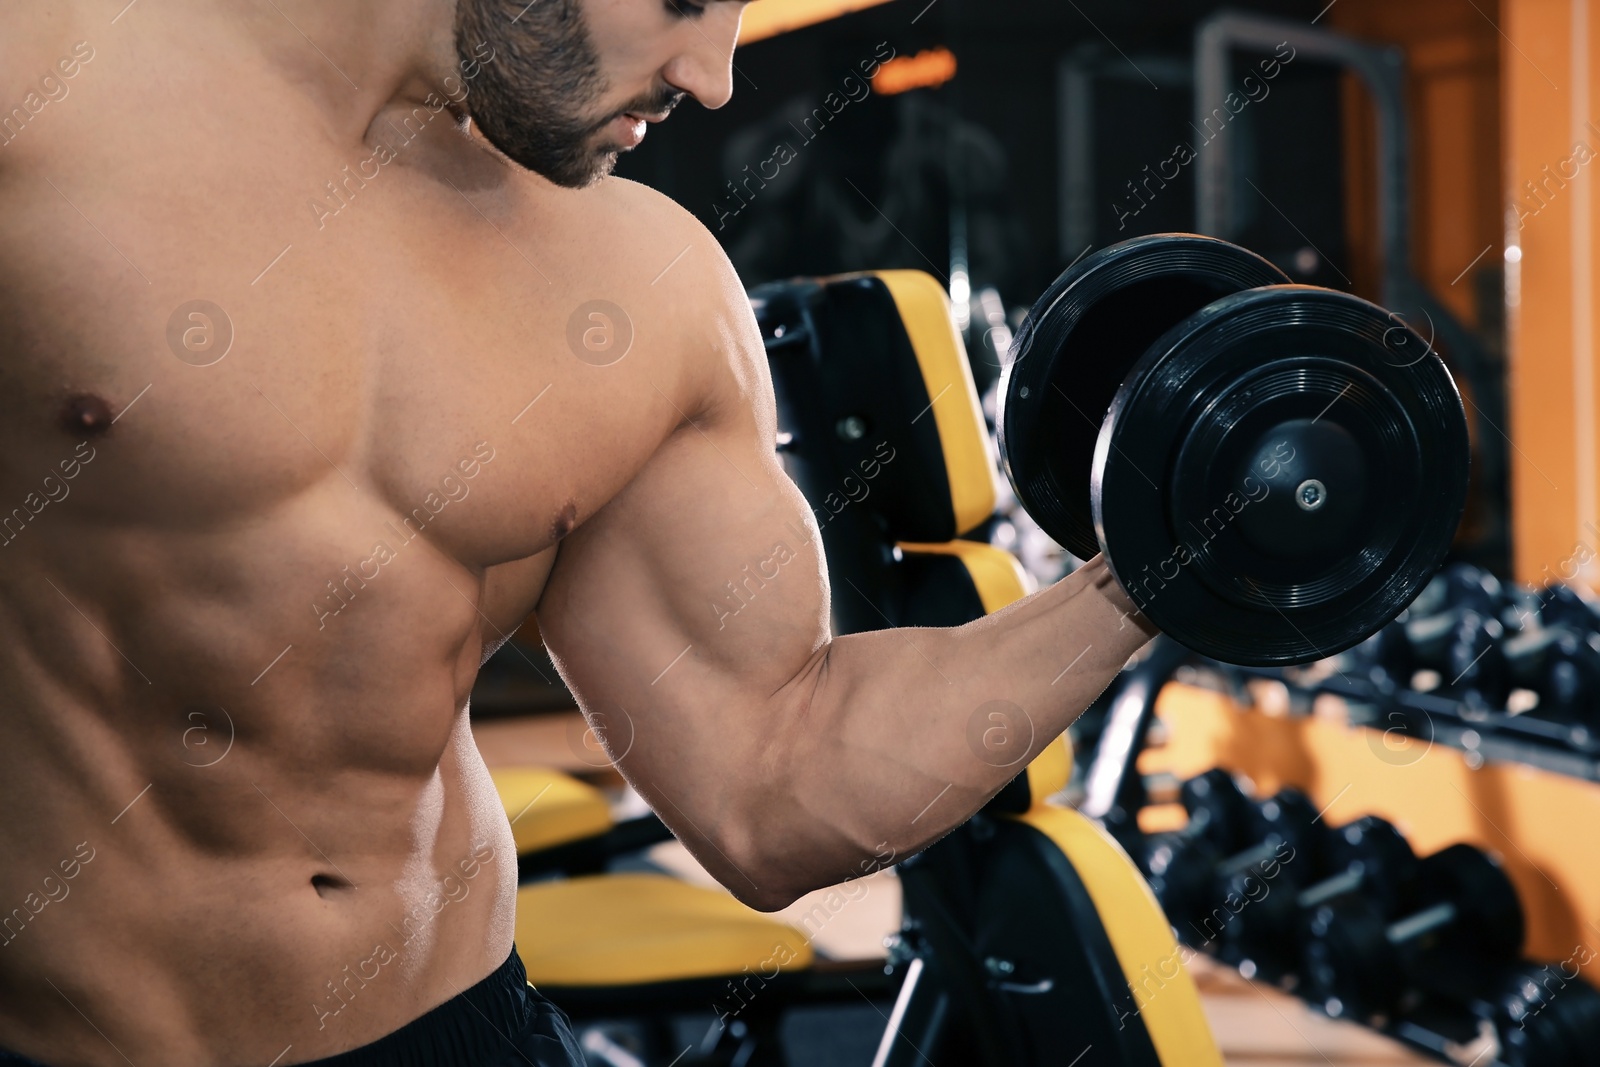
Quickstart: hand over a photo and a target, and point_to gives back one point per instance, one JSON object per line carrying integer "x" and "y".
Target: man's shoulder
{"x": 631, "y": 196}
{"x": 680, "y": 272}
{"x": 654, "y": 271}
{"x": 650, "y": 217}
{"x": 642, "y": 241}
{"x": 648, "y": 247}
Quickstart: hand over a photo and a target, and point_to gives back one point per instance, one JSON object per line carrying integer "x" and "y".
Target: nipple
{"x": 86, "y": 415}
{"x": 565, "y": 521}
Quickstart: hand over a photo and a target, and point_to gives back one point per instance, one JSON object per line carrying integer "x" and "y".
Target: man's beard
{"x": 532, "y": 100}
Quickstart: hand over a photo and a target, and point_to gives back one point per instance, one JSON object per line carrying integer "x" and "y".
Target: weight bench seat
{"x": 637, "y": 928}
{"x": 547, "y": 808}
{"x": 1151, "y": 1001}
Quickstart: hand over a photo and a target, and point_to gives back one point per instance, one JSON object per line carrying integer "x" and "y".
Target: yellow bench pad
{"x": 548, "y": 808}
{"x": 629, "y": 929}
{"x": 1140, "y": 935}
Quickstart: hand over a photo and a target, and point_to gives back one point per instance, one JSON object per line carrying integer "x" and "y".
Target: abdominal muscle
{"x": 261, "y": 908}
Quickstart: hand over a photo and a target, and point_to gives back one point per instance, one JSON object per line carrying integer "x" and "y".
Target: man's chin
{"x": 596, "y": 168}
{"x": 604, "y": 163}
{"x": 564, "y": 168}
{"x": 603, "y": 168}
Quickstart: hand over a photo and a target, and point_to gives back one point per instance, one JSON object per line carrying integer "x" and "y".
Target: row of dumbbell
{"x": 1481, "y": 641}
{"x": 1353, "y": 921}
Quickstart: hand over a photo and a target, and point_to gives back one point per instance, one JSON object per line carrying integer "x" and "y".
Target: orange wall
{"x": 1453, "y": 92}
{"x": 1452, "y": 87}
{"x": 1551, "y": 70}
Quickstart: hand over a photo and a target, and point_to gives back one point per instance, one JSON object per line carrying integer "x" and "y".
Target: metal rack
{"x": 1482, "y": 733}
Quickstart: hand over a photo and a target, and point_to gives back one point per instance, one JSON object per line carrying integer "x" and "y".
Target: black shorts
{"x": 500, "y": 1022}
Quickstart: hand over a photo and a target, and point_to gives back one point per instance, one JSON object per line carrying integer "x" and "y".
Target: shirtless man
{"x": 292, "y": 436}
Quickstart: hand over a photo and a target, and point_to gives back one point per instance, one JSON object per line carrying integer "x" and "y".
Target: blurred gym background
{"x": 1430, "y": 155}
{"x": 1007, "y": 138}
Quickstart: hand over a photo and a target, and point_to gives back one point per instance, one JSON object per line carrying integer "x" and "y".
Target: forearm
{"x": 897, "y": 736}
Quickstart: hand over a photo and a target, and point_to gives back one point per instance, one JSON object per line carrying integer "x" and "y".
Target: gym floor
{"x": 1255, "y": 1025}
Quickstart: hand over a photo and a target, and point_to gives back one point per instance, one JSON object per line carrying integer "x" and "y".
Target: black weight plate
{"x": 1579, "y": 1013}
{"x": 1218, "y": 809}
{"x": 1290, "y": 817}
{"x": 1181, "y": 874}
{"x": 1387, "y": 656}
{"x": 1544, "y": 1018}
{"x": 1563, "y": 605}
{"x": 1280, "y": 475}
{"x": 1489, "y": 922}
{"x": 1347, "y": 963}
{"x": 1077, "y": 344}
{"x": 1473, "y": 589}
{"x": 1384, "y": 858}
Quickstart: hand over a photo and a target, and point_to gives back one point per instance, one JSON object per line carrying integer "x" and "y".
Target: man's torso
{"x": 241, "y": 622}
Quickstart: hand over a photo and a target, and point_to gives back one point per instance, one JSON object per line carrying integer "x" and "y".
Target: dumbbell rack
{"x": 1483, "y": 734}
{"x": 1434, "y": 1025}
{"x": 1479, "y": 737}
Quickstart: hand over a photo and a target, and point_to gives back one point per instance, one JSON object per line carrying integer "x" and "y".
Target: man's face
{"x": 573, "y": 82}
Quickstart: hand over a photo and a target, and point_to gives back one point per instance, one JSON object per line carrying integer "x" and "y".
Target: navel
{"x": 325, "y": 884}
{"x": 86, "y": 415}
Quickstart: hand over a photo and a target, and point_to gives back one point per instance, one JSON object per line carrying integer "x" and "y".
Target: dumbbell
{"x": 1271, "y": 471}
{"x": 1542, "y": 1016}
{"x": 1386, "y": 656}
{"x": 1204, "y": 881}
{"x": 1290, "y": 853}
{"x": 1368, "y": 856}
{"x": 1360, "y": 962}
{"x": 1557, "y": 652}
{"x": 1218, "y": 815}
{"x": 1461, "y": 587}
{"x": 1461, "y": 640}
{"x": 1561, "y": 665}
{"x": 1464, "y": 647}
{"x": 1562, "y": 605}
{"x": 1452, "y": 628}
{"x": 1569, "y": 690}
